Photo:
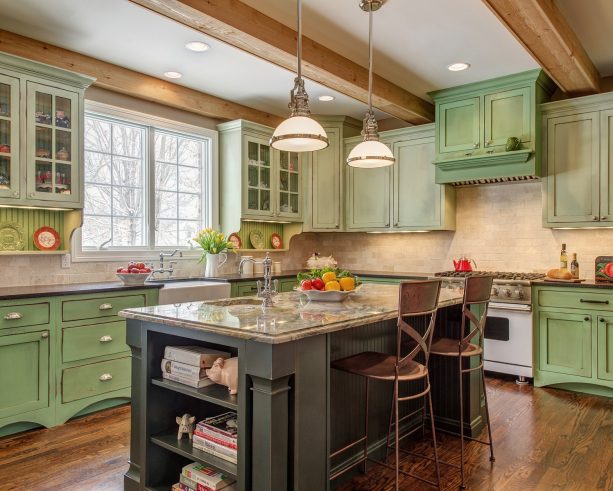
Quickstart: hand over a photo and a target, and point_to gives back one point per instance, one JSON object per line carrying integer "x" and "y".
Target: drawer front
{"x": 33, "y": 314}
{"x": 246, "y": 289}
{"x": 95, "y": 379}
{"x": 575, "y": 299}
{"x": 80, "y": 343}
{"x": 99, "y": 307}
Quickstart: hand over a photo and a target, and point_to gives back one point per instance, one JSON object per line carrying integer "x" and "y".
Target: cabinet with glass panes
{"x": 41, "y": 121}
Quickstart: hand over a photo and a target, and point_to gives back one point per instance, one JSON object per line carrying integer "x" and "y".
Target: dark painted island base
{"x": 292, "y": 408}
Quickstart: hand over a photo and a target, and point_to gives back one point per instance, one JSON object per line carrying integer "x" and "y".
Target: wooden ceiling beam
{"x": 130, "y": 82}
{"x": 244, "y": 27}
{"x": 542, "y": 29}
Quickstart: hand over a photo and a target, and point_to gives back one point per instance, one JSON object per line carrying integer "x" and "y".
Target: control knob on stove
{"x": 519, "y": 293}
{"x": 495, "y": 292}
{"x": 507, "y": 292}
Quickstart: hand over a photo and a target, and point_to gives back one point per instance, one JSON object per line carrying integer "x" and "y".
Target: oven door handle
{"x": 511, "y": 307}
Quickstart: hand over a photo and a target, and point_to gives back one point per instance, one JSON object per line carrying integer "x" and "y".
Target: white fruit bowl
{"x": 325, "y": 296}
{"x": 133, "y": 279}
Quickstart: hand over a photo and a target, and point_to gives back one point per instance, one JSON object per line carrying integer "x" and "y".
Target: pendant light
{"x": 370, "y": 153}
{"x": 299, "y": 132}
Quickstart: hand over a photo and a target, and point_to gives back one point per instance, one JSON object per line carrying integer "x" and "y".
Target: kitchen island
{"x": 293, "y": 409}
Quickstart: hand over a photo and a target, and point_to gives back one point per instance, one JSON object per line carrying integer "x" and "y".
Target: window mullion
{"x": 150, "y": 192}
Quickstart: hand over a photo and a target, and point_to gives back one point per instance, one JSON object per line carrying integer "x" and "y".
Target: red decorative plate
{"x": 236, "y": 240}
{"x": 46, "y": 239}
{"x": 276, "y": 241}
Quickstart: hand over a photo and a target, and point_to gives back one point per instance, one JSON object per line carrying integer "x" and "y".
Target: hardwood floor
{"x": 544, "y": 439}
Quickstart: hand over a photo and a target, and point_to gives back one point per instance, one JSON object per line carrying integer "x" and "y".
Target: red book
{"x": 215, "y": 439}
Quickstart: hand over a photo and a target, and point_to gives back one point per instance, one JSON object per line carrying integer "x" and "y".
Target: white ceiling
{"x": 593, "y": 23}
{"x": 414, "y": 42}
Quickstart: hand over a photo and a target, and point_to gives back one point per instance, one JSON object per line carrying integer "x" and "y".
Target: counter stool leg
{"x": 438, "y": 471}
{"x": 366, "y": 428}
{"x": 397, "y": 436}
{"x": 423, "y": 413}
{"x": 487, "y": 414}
{"x": 461, "y": 377}
{"x": 389, "y": 430}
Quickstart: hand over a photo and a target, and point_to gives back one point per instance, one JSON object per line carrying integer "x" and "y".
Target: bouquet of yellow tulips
{"x": 213, "y": 242}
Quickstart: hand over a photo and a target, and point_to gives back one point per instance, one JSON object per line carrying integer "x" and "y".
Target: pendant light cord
{"x": 369, "y": 57}
{"x": 299, "y": 49}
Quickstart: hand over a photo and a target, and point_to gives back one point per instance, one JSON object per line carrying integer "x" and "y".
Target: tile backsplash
{"x": 499, "y": 226}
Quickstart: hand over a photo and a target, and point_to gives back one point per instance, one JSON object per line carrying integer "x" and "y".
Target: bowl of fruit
{"x": 327, "y": 284}
{"x": 134, "y": 274}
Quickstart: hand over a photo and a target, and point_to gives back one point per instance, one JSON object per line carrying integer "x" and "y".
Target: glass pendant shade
{"x": 299, "y": 134}
{"x": 370, "y": 154}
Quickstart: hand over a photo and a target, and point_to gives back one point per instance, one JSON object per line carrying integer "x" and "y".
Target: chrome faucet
{"x": 170, "y": 269}
{"x": 270, "y": 287}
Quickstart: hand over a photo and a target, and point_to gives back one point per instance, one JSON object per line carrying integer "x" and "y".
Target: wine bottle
{"x": 563, "y": 258}
{"x": 574, "y": 266}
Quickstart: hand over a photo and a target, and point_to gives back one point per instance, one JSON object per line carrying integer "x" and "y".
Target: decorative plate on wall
{"x": 257, "y": 239}
{"x": 236, "y": 240}
{"x": 46, "y": 239}
{"x": 276, "y": 241}
{"x": 11, "y": 237}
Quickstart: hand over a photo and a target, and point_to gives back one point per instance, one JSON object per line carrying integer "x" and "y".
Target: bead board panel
{"x": 267, "y": 229}
{"x": 31, "y": 220}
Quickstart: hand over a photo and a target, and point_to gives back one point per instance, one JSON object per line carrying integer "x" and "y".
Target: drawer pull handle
{"x": 105, "y": 377}
{"x": 106, "y": 339}
{"x": 601, "y": 319}
{"x": 44, "y": 334}
{"x": 105, "y": 306}
{"x": 605, "y": 302}
{"x": 586, "y": 318}
{"x": 11, "y": 316}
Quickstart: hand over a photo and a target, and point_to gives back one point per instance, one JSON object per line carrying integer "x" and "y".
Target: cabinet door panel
{"x": 289, "y": 184}
{"x": 24, "y": 373}
{"x": 326, "y": 181}
{"x": 605, "y": 348}
{"x": 459, "y": 124}
{"x": 565, "y": 343}
{"x": 573, "y": 168}
{"x": 9, "y": 138}
{"x": 258, "y": 185}
{"x": 368, "y": 205}
{"x": 507, "y": 114}
{"x": 606, "y": 166}
{"x": 417, "y": 198}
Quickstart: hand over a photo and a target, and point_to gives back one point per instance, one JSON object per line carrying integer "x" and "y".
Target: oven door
{"x": 508, "y": 339}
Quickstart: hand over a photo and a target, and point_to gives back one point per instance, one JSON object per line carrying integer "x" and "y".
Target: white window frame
{"x": 210, "y": 208}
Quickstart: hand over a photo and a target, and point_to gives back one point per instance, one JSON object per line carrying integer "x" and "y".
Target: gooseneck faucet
{"x": 170, "y": 269}
{"x": 270, "y": 287}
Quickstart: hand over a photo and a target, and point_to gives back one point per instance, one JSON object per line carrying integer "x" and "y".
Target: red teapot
{"x": 464, "y": 264}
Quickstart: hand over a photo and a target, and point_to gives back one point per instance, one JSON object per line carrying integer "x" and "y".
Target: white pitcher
{"x": 213, "y": 263}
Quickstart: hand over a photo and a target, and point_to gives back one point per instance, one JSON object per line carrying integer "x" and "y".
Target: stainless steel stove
{"x": 508, "y": 331}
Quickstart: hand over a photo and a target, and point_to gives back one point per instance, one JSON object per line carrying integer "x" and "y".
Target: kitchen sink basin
{"x": 176, "y": 291}
{"x": 231, "y": 302}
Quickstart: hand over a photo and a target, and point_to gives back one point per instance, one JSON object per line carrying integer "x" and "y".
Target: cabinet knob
{"x": 336, "y": 226}
{"x": 15, "y": 193}
{"x": 488, "y": 143}
{"x": 586, "y": 318}
{"x": 595, "y": 218}
{"x": 105, "y": 306}
{"x": 106, "y": 339}
{"x": 11, "y": 316}
{"x": 105, "y": 377}
{"x": 476, "y": 145}
{"x": 44, "y": 334}
{"x": 468, "y": 154}
{"x": 603, "y": 218}
{"x": 387, "y": 224}
{"x": 31, "y": 195}
{"x": 601, "y": 319}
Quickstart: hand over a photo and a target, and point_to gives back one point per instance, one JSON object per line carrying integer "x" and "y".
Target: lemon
{"x": 332, "y": 285}
{"x": 347, "y": 284}
{"x": 329, "y": 276}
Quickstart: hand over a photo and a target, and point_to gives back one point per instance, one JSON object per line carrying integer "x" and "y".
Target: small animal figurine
{"x": 186, "y": 425}
{"x": 225, "y": 372}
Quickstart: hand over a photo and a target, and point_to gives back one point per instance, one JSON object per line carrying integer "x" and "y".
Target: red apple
{"x": 318, "y": 284}
{"x": 306, "y": 285}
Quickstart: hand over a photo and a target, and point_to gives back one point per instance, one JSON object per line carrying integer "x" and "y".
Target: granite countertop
{"x": 293, "y": 316}
{"x": 235, "y": 277}
{"x": 584, "y": 284}
{"x": 8, "y": 293}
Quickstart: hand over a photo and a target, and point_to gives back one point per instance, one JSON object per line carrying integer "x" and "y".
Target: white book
{"x": 183, "y": 369}
{"x": 213, "y": 451}
{"x": 198, "y": 384}
{"x": 204, "y": 444}
{"x": 198, "y": 356}
{"x": 207, "y": 476}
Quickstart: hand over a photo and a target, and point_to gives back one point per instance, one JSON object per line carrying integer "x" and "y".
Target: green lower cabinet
{"x": 605, "y": 347}
{"x": 250, "y": 288}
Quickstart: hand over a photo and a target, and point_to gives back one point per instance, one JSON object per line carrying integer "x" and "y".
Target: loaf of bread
{"x": 559, "y": 274}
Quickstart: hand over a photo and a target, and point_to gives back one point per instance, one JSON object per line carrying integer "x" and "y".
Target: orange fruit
{"x": 347, "y": 284}
{"x": 333, "y": 285}
{"x": 329, "y": 276}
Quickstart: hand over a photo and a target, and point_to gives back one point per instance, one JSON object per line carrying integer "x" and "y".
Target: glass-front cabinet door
{"x": 9, "y": 137}
{"x": 289, "y": 185}
{"x": 259, "y": 186}
{"x": 52, "y": 144}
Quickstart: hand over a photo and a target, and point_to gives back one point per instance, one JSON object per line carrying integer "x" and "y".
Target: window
{"x": 147, "y": 185}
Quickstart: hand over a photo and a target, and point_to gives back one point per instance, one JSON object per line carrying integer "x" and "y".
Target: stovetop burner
{"x": 498, "y": 275}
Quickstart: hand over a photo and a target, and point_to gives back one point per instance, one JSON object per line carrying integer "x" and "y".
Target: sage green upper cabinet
{"x": 474, "y": 122}
{"x": 578, "y": 162}
{"x": 41, "y": 133}
{"x": 605, "y": 347}
{"x": 324, "y": 177}
{"x": 459, "y": 125}
{"x": 256, "y": 181}
{"x": 9, "y": 137}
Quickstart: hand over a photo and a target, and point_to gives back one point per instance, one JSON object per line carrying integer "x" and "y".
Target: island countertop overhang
{"x": 292, "y": 317}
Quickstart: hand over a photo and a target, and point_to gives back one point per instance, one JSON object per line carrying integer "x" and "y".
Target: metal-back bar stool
{"x": 416, "y": 299}
{"x": 477, "y": 292}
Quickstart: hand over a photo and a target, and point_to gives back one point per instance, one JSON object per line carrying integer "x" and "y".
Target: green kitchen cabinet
{"x": 474, "y": 121}
{"x": 573, "y": 338}
{"x": 249, "y": 288}
{"x": 605, "y": 347}
{"x": 606, "y": 166}
{"x": 287, "y": 284}
{"x": 41, "y": 134}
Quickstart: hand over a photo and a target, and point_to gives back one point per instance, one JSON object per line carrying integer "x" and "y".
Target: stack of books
{"x": 198, "y": 477}
{"x": 187, "y": 364}
{"x": 218, "y": 436}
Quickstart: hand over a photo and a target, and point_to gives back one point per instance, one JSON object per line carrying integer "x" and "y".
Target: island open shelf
{"x": 217, "y": 394}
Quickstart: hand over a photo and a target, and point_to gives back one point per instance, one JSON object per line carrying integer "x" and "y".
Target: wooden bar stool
{"x": 416, "y": 298}
{"x": 477, "y": 292}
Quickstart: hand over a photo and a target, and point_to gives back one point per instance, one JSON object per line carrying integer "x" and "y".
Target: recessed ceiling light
{"x": 173, "y": 74}
{"x": 198, "y": 46}
{"x": 326, "y": 98}
{"x": 458, "y": 67}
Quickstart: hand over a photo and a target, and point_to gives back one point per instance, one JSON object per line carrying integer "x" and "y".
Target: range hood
{"x": 518, "y": 165}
